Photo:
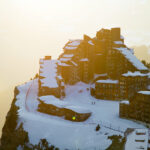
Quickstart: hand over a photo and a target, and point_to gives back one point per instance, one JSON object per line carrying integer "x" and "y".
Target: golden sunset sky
{"x": 30, "y": 29}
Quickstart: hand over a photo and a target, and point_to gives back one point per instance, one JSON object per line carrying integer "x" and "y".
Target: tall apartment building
{"x": 49, "y": 82}
{"x": 138, "y": 108}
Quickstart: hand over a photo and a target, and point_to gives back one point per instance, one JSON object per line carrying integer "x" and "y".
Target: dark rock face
{"x": 12, "y": 136}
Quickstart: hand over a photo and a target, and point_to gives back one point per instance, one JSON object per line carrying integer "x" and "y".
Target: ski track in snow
{"x": 66, "y": 134}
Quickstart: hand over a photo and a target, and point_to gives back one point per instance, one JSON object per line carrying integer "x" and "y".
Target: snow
{"x": 125, "y": 102}
{"x": 48, "y": 70}
{"x": 66, "y": 134}
{"x": 53, "y": 100}
{"x": 137, "y": 63}
{"x": 63, "y": 104}
{"x": 131, "y": 142}
{"x": 84, "y": 59}
{"x": 68, "y": 55}
{"x": 133, "y": 74}
{"x": 64, "y": 59}
{"x": 59, "y": 77}
{"x": 78, "y": 109}
{"x": 63, "y": 64}
{"x": 70, "y": 48}
{"x": 74, "y": 43}
{"x": 107, "y": 81}
{"x": 90, "y": 42}
{"x": 74, "y": 63}
{"x": 118, "y": 42}
{"x": 144, "y": 92}
{"x": 131, "y": 50}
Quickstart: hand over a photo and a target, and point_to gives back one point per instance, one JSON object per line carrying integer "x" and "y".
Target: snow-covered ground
{"x": 66, "y": 134}
{"x": 138, "y": 139}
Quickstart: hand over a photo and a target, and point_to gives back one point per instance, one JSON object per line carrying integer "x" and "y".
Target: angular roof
{"x": 132, "y": 58}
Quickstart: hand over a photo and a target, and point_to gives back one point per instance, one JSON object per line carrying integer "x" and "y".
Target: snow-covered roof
{"x": 118, "y": 42}
{"x": 125, "y": 102}
{"x": 84, "y": 59}
{"x": 62, "y": 104}
{"x": 74, "y": 63}
{"x": 50, "y": 99}
{"x": 48, "y": 72}
{"x": 70, "y": 48}
{"x": 131, "y": 58}
{"x": 107, "y": 81}
{"x": 68, "y": 55}
{"x": 144, "y": 92}
{"x": 90, "y": 42}
{"x": 64, "y": 59}
{"x": 74, "y": 43}
{"x": 63, "y": 64}
{"x": 133, "y": 74}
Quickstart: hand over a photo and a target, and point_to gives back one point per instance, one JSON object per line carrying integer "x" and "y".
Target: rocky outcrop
{"x": 12, "y": 135}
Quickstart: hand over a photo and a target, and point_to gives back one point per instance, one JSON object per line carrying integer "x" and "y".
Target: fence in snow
{"x": 27, "y": 94}
{"x": 111, "y": 126}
